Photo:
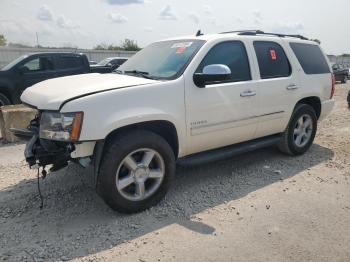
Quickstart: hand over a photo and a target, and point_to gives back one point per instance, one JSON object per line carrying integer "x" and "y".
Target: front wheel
{"x": 136, "y": 171}
{"x": 4, "y": 100}
{"x": 300, "y": 132}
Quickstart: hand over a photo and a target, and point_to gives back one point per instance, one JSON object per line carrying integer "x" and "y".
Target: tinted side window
{"x": 234, "y": 55}
{"x": 47, "y": 63}
{"x": 272, "y": 60}
{"x": 39, "y": 64}
{"x": 66, "y": 62}
{"x": 117, "y": 62}
{"x": 33, "y": 65}
{"x": 121, "y": 61}
{"x": 310, "y": 58}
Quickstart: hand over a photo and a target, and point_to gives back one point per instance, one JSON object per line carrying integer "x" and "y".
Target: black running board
{"x": 229, "y": 151}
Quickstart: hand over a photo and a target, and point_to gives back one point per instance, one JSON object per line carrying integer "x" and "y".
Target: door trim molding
{"x": 208, "y": 125}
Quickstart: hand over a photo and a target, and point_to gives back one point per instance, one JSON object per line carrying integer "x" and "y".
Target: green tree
{"x": 101, "y": 46}
{"x": 130, "y": 45}
{"x": 114, "y": 47}
{"x": 2, "y": 40}
{"x": 126, "y": 45}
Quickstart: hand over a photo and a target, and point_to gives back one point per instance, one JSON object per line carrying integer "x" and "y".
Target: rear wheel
{"x": 4, "y": 100}
{"x": 300, "y": 132}
{"x": 136, "y": 171}
{"x": 344, "y": 80}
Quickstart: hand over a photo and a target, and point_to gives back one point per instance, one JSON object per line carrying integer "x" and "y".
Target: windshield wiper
{"x": 139, "y": 73}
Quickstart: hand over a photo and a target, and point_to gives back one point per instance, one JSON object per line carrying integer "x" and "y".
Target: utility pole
{"x": 37, "y": 39}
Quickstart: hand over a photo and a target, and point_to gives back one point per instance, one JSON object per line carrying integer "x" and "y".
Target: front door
{"x": 221, "y": 113}
{"x": 35, "y": 70}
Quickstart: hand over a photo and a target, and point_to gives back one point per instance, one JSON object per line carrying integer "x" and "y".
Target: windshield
{"x": 104, "y": 61}
{"x": 162, "y": 60}
{"x": 14, "y": 62}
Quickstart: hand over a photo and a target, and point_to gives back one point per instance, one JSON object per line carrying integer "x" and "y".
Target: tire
{"x": 289, "y": 142}
{"x": 114, "y": 169}
{"x": 344, "y": 80}
{"x": 4, "y": 100}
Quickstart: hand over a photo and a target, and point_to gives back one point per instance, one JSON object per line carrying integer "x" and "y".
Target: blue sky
{"x": 86, "y": 23}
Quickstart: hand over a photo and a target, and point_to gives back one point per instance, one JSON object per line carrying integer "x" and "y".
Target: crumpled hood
{"x": 51, "y": 94}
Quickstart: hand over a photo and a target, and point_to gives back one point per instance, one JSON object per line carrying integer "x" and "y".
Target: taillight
{"x": 333, "y": 86}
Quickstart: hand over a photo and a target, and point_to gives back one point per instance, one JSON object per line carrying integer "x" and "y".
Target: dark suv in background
{"x": 30, "y": 69}
{"x": 340, "y": 72}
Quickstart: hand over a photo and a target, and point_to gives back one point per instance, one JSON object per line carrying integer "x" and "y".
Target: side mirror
{"x": 211, "y": 74}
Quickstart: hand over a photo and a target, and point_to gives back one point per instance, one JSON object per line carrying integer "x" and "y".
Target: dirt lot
{"x": 261, "y": 206}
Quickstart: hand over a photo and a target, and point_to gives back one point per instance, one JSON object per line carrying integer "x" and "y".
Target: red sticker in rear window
{"x": 180, "y": 50}
{"x": 273, "y": 54}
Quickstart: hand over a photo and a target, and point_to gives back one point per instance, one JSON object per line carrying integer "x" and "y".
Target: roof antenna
{"x": 199, "y": 33}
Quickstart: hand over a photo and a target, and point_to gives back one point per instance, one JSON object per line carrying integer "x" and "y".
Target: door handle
{"x": 292, "y": 87}
{"x": 248, "y": 93}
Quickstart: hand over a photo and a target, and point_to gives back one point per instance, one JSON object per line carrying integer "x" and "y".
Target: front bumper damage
{"x": 42, "y": 152}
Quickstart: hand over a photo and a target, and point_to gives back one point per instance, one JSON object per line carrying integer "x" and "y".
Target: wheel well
{"x": 314, "y": 102}
{"x": 162, "y": 128}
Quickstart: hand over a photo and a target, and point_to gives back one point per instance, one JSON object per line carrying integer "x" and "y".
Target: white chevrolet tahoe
{"x": 186, "y": 99}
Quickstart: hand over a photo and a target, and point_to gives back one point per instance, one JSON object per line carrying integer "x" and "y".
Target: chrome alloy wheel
{"x": 303, "y": 131}
{"x": 140, "y": 174}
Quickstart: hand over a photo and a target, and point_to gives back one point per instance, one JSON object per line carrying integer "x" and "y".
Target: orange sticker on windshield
{"x": 273, "y": 54}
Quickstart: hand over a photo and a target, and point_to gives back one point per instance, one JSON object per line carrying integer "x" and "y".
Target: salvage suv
{"x": 182, "y": 100}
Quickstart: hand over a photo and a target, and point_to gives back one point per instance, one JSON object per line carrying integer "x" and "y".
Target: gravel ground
{"x": 260, "y": 206}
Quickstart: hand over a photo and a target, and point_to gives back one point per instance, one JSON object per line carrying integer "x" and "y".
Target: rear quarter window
{"x": 311, "y": 58}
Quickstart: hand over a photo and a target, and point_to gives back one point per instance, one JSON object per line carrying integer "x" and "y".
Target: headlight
{"x": 61, "y": 126}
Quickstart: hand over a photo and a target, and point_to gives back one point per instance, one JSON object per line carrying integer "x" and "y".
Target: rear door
{"x": 278, "y": 86}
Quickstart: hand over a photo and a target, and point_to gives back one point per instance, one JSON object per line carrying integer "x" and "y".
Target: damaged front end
{"x": 40, "y": 152}
{"x": 43, "y": 152}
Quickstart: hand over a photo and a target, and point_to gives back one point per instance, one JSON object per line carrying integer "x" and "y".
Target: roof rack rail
{"x": 259, "y": 32}
{"x": 240, "y": 31}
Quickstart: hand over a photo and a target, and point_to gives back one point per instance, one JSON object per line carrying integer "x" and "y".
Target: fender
{"x": 107, "y": 111}
{"x": 129, "y": 117}
{"x": 133, "y": 116}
